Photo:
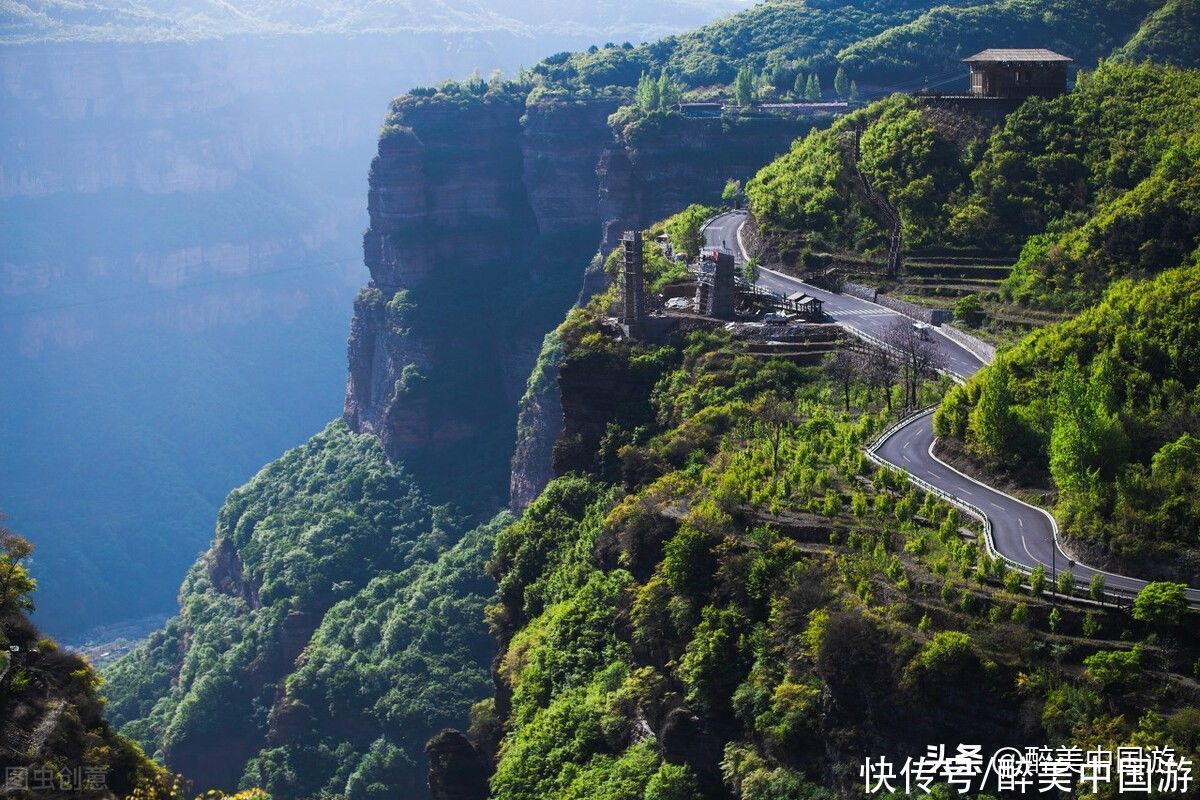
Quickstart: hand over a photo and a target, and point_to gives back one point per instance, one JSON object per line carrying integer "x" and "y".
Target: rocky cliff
{"x": 485, "y": 209}
{"x": 480, "y": 216}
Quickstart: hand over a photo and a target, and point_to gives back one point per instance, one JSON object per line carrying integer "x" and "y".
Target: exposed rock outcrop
{"x": 456, "y": 769}
{"x": 484, "y": 212}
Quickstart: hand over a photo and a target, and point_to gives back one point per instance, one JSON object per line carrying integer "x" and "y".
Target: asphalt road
{"x": 860, "y": 315}
{"x": 1020, "y": 532}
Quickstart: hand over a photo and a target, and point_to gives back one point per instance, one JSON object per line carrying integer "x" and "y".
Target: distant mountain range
{"x": 159, "y": 20}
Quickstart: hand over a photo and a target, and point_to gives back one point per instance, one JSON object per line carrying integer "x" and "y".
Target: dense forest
{"x": 54, "y": 738}
{"x": 1097, "y": 184}
{"x": 331, "y": 555}
{"x": 1108, "y": 404}
{"x": 880, "y": 44}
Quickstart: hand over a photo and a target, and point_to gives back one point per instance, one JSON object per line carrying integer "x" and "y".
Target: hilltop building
{"x": 1018, "y": 73}
{"x": 1002, "y": 79}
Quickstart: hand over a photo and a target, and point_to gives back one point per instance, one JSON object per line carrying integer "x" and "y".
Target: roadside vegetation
{"x": 731, "y": 584}
{"x": 1107, "y": 405}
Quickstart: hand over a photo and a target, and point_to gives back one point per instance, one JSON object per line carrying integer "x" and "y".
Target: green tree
{"x": 1086, "y": 441}
{"x": 684, "y": 229}
{"x": 1114, "y": 668}
{"x": 776, "y": 415}
{"x": 732, "y": 193}
{"x": 841, "y": 83}
{"x": 812, "y": 92}
{"x": 1096, "y": 588}
{"x": 1160, "y": 603}
{"x": 648, "y": 94}
{"x": 750, "y": 271}
{"x": 16, "y": 585}
{"x": 993, "y": 422}
{"x": 799, "y": 86}
{"x": 670, "y": 91}
{"x": 743, "y": 87}
{"x": 1066, "y": 582}
{"x": 853, "y": 91}
{"x": 1055, "y": 619}
{"x": 1037, "y": 580}
{"x": 673, "y": 782}
{"x": 969, "y": 310}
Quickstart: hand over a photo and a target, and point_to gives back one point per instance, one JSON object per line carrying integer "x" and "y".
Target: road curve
{"x": 1023, "y": 534}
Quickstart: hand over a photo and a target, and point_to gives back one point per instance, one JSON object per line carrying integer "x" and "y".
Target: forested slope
{"x": 1109, "y": 405}
{"x": 881, "y": 44}
{"x": 1167, "y": 36}
{"x": 53, "y": 733}
{"x": 719, "y": 596}
{"x": 336, "y": 622}
{"x": 1095, "y": 185}
{"x": 730, "y": 601}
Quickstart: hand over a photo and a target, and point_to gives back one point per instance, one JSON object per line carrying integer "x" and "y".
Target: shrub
{"x": 969, "y": 310}
{"x": 1160, "y": 603}
{"x": 1111, "y": 669}
{"x": 1037, "y": 581}
{"x": 673, "y": 782}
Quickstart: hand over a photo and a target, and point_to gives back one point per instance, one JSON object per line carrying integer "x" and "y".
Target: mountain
{"x": 55, "y": 735}
{"x": 41, "y": 20}
{"x": 710, "y": 591}
{"x": 720, "y": 596}
{"x": 328, "y": 567}
{"x": 1106, "y": 405}
{"x": 180, "y": 224}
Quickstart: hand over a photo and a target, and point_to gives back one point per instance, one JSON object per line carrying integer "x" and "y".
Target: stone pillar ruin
{"x": 633, "y": 287}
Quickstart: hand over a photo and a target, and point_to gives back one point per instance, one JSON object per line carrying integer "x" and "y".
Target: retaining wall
{"x": 972, "y": 344}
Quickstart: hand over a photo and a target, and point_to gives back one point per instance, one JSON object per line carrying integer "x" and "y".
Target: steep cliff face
{"x": 642, "y": 176}
{"x": 669, "y": 161}
{"x": 476, "y": 222}
{"x": 485, "y": 209}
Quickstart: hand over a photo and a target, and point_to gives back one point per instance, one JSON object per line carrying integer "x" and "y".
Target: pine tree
{"x": 647, "y": 93}
{"x": 853, "y": 91}
{"x": 841, "y": 83}
{"x": 669, "y": 91}
{"x": 813, "y": 92}
{"x": 800, "y": 87}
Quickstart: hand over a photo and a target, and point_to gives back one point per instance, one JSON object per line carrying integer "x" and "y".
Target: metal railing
{"x": 1121, "y": 598}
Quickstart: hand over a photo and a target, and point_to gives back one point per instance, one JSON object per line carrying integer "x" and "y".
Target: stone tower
{"x": 716, "y": 293}
{"x": 633, "y": 288}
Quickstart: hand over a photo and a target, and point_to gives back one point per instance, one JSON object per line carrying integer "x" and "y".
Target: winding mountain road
{"x": 1022, "y": 534}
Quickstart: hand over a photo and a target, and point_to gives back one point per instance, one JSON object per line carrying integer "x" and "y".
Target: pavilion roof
{"x": 1009, "y": 56}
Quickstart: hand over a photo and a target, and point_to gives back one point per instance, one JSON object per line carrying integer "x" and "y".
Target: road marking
{"x": 1025, "y": 547}
{"x": 1021, "y": 523}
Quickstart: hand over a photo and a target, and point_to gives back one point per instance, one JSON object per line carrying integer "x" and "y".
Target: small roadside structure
{"x": 810, "y": 307}
{"x": 1018, "y": 73}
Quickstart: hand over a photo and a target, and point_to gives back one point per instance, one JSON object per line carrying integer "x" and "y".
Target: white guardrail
{"x": 972, "y": 509}
{"x": 866, "y": 337}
